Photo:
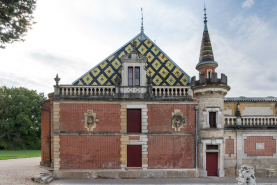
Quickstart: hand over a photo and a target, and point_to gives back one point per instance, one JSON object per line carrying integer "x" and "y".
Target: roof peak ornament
{"x": 205, "y": 19}
{"x": 142, "y": 29}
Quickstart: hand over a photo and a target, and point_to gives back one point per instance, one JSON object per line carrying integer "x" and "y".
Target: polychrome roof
{"x": 206, "y": 51}
{"x": 160, "y": 67}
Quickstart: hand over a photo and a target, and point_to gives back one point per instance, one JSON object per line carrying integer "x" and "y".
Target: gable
{"x": 159, "y": 66}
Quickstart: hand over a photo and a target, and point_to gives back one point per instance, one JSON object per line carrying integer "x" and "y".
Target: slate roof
{"x": 242, "y": 98}
{"x": 162, "y": 69}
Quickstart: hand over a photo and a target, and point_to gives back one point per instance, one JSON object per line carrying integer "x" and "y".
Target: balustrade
{"x": 87, "y": 91}
{"x": 171, "y": 91}
{"x": 252, "y": 121}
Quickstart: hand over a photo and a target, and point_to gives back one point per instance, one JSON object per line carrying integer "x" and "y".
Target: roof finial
{"x": 205, "y": 18}
{"x": 141, "y": 20}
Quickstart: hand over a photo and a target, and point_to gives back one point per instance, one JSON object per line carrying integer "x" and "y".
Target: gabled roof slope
{"x": 159, "y": 66}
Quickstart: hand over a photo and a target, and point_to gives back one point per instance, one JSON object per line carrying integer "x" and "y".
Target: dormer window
{"x": 133, "y": 76}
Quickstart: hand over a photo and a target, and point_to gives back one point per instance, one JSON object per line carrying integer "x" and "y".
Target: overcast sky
{"x": 71, "y": 37}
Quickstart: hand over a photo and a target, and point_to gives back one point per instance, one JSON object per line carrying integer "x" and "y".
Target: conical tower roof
{"x": 206, "y": 51}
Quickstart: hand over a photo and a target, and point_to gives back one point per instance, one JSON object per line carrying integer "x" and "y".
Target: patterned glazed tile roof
{"x": 159, "y": 66}
{"x": 242, "y": 98}
{"x": 206, "y": 51}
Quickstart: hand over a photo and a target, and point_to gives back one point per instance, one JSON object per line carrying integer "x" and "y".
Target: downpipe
{"x": 196, "y": 128}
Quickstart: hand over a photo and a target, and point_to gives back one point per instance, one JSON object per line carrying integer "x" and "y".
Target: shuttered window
{"x": 134, "y": 156}
{"x": 133, "y": 120}
{"x": 212, "y": 116}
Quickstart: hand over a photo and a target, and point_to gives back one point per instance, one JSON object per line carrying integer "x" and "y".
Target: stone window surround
{"x": 244, "y": 155}
{"x": 209, "y": 73}
{"x": 212, "y": 109}
{"x": 235, "y": 146}
{"x": 218, "y": 142}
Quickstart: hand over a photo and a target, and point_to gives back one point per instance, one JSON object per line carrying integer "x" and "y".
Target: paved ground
{"x": 173, "y": 181}
{"x": 20, "y": 171}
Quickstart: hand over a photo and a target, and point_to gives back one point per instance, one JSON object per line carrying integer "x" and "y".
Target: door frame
{"x": 220, "y": 163}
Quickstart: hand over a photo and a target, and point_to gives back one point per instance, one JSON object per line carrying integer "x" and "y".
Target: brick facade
{"x": 171, "y": 152}
{"x": 160, "y": 115}
{"x": 250, "y": 146}
{"x": 71, "y": 117}
{"x": 229, "y": 146}
{"x": 89, "y": 152}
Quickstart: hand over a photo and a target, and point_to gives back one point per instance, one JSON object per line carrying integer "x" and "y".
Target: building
{"x": 137, "y": 114}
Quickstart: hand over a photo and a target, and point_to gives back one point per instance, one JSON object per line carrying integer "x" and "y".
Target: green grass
{"x": 14, "y": 154}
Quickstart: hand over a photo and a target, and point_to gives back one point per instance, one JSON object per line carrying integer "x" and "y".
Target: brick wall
{"x": 160, "y": 115}
{"x": 71, "y": 116}
{"x": 171, "y": 152}
{"x": 250, "y": 146}
{"x": 89, "y": 152}
{"x": 45, "y": 134}
{"x": 229, "y": 146}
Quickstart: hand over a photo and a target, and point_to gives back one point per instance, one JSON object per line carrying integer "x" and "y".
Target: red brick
{"x": 229, "y": 146}
{"x": 89, "y": 152}
{"x": 160, "y": 115}
{"x": 171, "y": 152}
{"x": 269, "y": 146}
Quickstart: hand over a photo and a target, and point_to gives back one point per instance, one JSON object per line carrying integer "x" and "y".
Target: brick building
{"x": 137, "y": 114}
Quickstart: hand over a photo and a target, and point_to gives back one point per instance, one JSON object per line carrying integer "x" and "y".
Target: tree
{"x": 20, "y": 118}
{"x": 15, "y": 19}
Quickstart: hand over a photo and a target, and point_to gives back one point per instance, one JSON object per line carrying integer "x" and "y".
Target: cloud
{"x": 248, "y": 4}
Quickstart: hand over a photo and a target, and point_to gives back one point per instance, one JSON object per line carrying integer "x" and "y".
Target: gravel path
{"x": 20, "y": 171}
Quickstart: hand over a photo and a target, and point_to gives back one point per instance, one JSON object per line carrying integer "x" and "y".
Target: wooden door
{"x": 134, "y": 156}
{"x": 211, "y": 163}
{"x": 133, "y": 120}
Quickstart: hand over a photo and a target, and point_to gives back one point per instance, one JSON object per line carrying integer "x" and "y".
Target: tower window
{"x": 209, "y": 73}
{"x": 212, "y": 120}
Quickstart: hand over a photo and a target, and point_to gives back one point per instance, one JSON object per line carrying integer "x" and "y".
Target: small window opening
{"x": 212, "y": 120}
{"x": 211, "y": 147}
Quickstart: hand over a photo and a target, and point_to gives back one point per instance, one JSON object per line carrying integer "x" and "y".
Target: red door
{"x": 133, "y": 120}
{"x": 211, "y": 163}
{"x": 133, "y": 155}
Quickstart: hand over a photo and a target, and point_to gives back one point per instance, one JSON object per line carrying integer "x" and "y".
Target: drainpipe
{"x": 49, "y": 133}
{"x": 196, "y": 128}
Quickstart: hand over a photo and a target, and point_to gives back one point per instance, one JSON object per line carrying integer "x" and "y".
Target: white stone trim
{"x": 209, "y": 71}
{"x": 218, "y": 113}
{"x": 218, "y": 142}
{"x": 244, "y": 136}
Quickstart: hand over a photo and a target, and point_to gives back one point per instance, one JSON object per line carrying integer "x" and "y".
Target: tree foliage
{"x": 20, "y": 118}
{"x": 15, "y": 19}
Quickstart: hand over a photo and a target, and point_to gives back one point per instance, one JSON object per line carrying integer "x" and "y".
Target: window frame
{"x": 138, "y": 76}
{"x": 212, "y": 119}
{"x": 132, "y": 79}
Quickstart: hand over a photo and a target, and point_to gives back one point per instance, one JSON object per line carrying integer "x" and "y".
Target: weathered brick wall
{"x": 229, "y": 146}
{"x": 160, "y": 115}
{"x": 45, "y": 134}
{"x": 71, "y": 116}
{"x": 171, "y": 152}
{"x": 89, "y": 152}
{"x": 250, "y": 146}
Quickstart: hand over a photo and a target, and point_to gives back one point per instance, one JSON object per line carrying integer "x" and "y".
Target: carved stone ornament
{"x": 178, "y": 120}
{"x": 90, "y": 120}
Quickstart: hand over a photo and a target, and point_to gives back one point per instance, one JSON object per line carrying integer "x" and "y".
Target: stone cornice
{"x": 206, "y": 64}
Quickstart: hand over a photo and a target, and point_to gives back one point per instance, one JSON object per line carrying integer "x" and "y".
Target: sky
{"x": 71, "y": 37}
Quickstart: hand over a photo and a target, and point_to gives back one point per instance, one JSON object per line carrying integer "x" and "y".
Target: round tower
{"x": 210, "y": 92}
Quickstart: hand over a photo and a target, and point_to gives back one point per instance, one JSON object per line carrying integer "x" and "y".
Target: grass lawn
{"x": 13, "y": 154}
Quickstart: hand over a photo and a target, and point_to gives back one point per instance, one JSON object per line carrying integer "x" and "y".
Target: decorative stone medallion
{"x": 90, "y": 120}
{"x": 178, "y": 120}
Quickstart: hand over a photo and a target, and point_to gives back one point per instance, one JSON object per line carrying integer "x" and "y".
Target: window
{"x": 130, "y": 76}
{"x": 211, "y": 147}
{"x": 137, "y": 76}
{"x": 209, "y": 73}
{"x": 212, "y": 120}
{"x": 133, "y": 120}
